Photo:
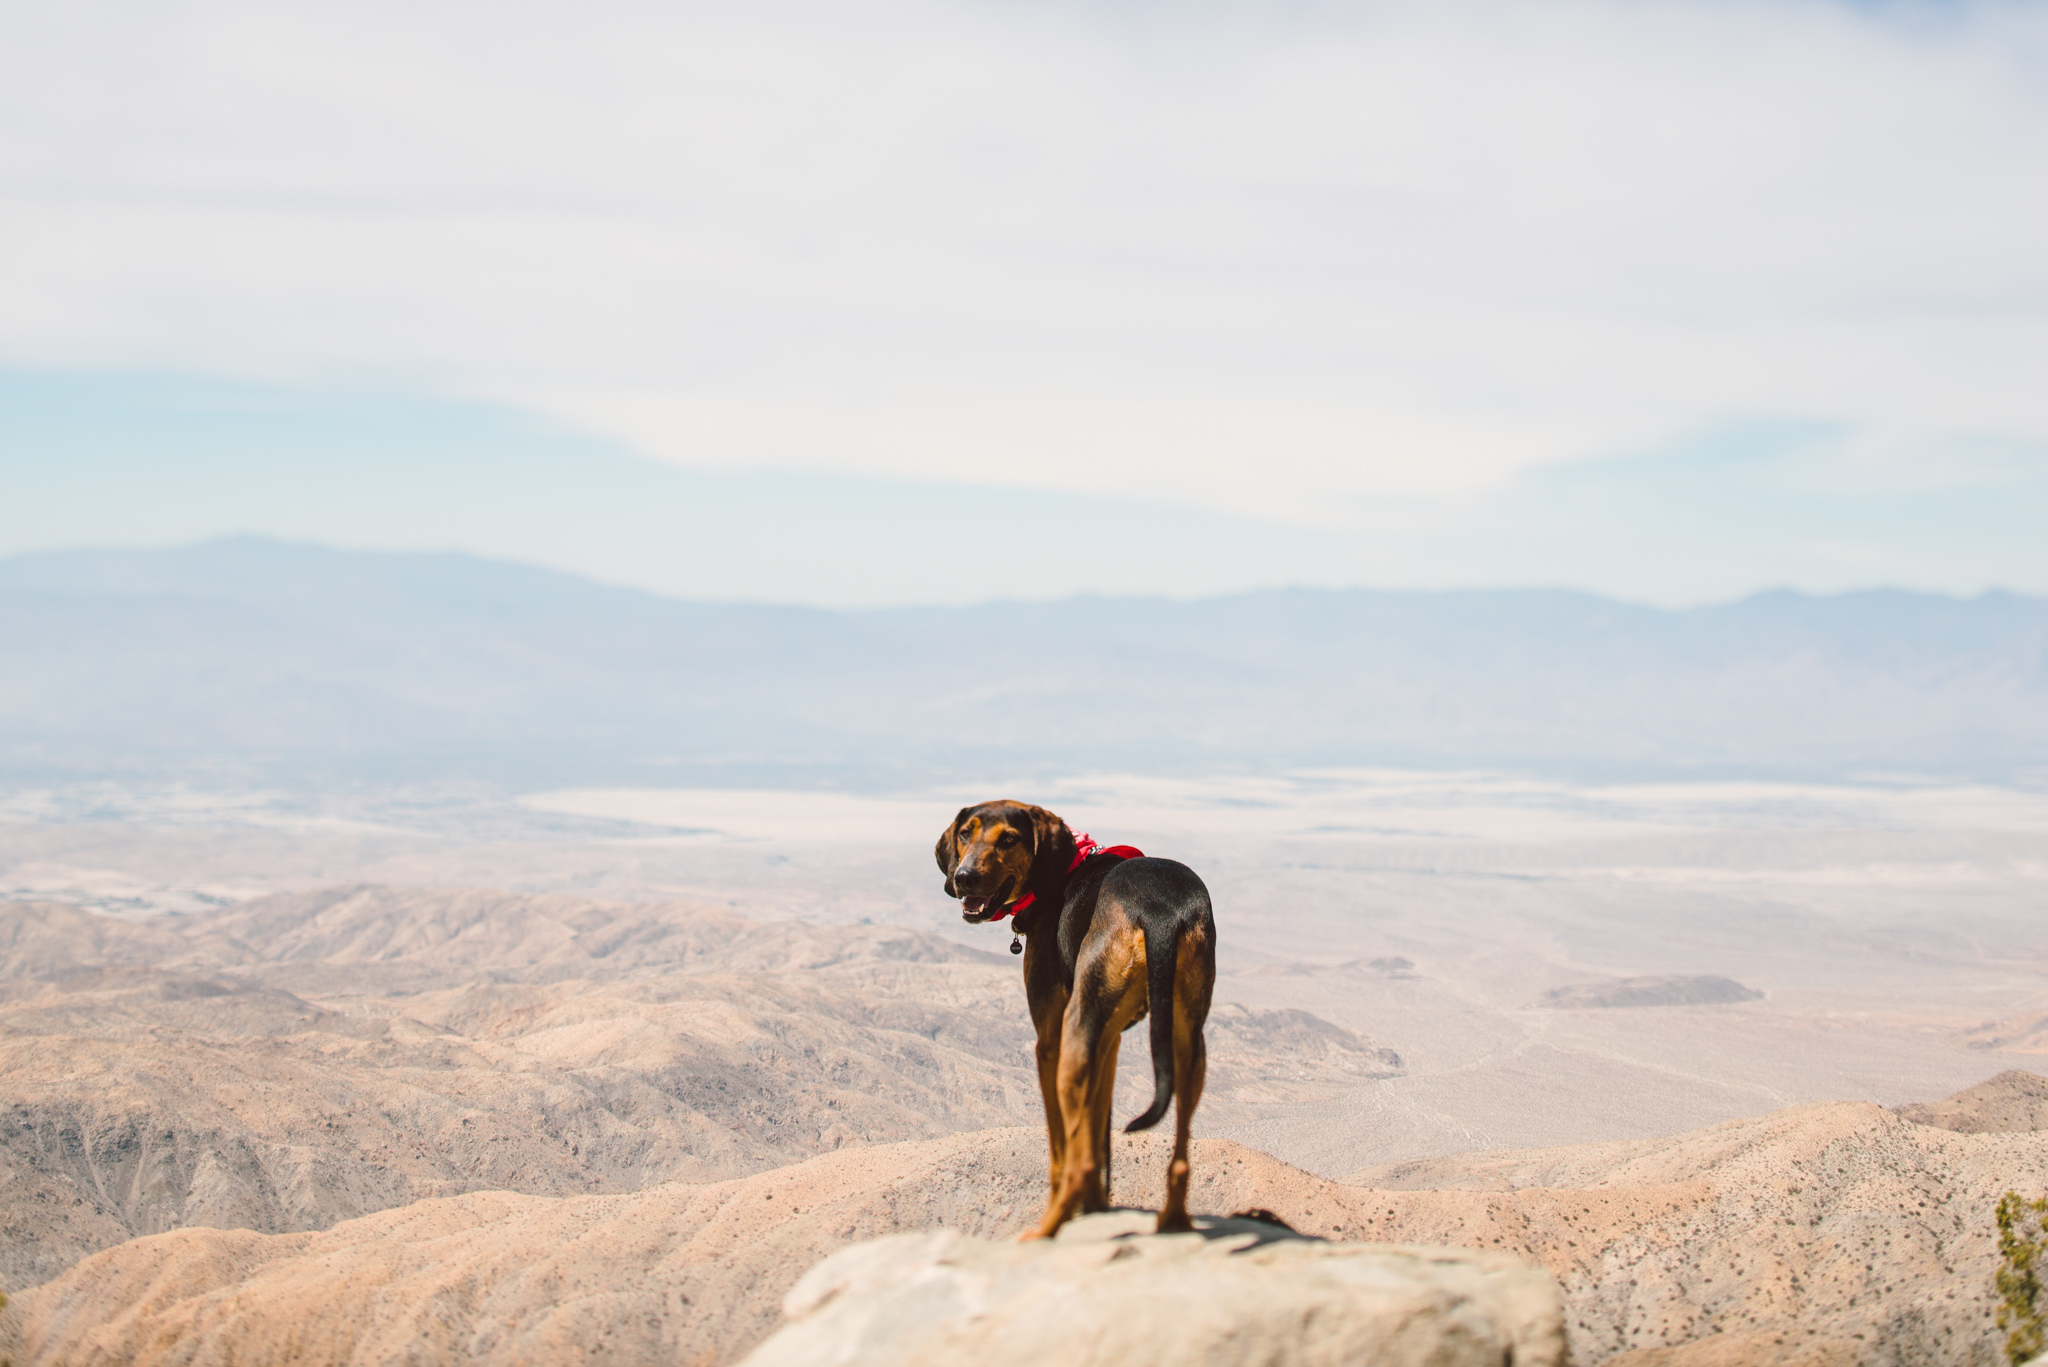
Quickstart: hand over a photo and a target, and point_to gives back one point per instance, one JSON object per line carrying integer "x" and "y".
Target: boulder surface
{"x": 1239, "y": 1292}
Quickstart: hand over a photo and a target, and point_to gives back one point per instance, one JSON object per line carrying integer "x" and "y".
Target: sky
{"x": 866, "y": 303}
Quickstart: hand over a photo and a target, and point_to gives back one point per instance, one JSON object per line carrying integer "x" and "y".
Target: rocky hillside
{"x": 2011, "y": 1103}
{"x": 300, "y": 1060}
{"x": 1823, "y": 1234}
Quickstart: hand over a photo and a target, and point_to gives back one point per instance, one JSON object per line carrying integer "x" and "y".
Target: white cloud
{"x": 1276, "y": 260}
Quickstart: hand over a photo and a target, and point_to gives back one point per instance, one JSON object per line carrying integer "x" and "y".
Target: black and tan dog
{"x": 1107, "y": 938}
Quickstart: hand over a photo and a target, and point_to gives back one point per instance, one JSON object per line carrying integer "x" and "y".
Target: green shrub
{"x": 2018, "y": 1283}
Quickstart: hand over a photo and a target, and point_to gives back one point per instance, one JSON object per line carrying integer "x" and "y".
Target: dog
{"x": 1107, "y": 936}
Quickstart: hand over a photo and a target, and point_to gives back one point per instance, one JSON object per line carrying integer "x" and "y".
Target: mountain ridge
{"x": 298, "y": 665}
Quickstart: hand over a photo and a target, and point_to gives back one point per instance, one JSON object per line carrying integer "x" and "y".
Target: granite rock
{"x": 1238, "y": 1292}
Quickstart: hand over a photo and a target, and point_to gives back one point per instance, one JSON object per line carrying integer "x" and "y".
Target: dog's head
{"x": 989, "y": 853}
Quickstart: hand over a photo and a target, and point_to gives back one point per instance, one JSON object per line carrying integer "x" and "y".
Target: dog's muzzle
{"x": 976, "y": 910}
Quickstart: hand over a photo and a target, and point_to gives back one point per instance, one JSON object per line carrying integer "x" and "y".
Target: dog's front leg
{"x": 1097, "y": 1195}
{"x": 1049, "y": 1090}
{"x": 1048, "y": 1015}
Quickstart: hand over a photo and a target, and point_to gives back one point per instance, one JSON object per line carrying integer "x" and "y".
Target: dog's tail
{"x": 1162, "y": 952}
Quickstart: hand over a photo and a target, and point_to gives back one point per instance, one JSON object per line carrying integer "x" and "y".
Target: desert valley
{"x": 522, "y": 525}
{"x": 595, "y": 1075}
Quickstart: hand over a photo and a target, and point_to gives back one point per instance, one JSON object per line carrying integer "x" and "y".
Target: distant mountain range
{"x": 288, "y": 664}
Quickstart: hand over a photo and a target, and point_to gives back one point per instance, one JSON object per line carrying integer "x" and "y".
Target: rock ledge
{"x": 1237, "y": 1293}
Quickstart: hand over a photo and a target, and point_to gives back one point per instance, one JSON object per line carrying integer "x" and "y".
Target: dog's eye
{"x": 1006, "y": 839}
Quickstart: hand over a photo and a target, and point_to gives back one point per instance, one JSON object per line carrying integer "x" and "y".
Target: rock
{"x": 1664, "y": 991}
{"x": 1239, "y": 1291}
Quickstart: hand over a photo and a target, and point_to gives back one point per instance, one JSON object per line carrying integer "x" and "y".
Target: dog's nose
{"x": 967, "y": 880}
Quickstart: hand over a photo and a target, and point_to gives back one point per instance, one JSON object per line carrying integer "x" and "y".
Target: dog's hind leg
{"x": 1193, "y": 980}
{"x": 1077, "y": 1169}
{"x": 1173, "y": 1216}
{"x": 1104, "y": 1002}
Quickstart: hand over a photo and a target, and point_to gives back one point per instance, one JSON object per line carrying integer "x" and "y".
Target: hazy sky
{"x": 848, "y": 302}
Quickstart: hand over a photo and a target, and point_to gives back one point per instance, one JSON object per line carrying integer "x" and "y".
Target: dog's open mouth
{"x": 979, "y": 909}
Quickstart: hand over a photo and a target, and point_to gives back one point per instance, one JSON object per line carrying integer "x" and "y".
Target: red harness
{"x": 1084, "y": 845}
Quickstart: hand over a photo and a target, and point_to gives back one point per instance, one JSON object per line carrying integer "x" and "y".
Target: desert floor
{"x": 1895, "y": 930}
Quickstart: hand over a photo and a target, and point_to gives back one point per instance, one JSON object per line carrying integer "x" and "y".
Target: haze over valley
{"x": 261, "y": 664}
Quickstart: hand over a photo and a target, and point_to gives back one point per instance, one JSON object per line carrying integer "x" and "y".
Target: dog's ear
{"x": 1052, "y": 844}
{"x": 948, "y": 850}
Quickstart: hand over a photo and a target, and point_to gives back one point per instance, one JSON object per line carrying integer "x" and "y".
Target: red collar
{"x": 1084, "y": 845}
